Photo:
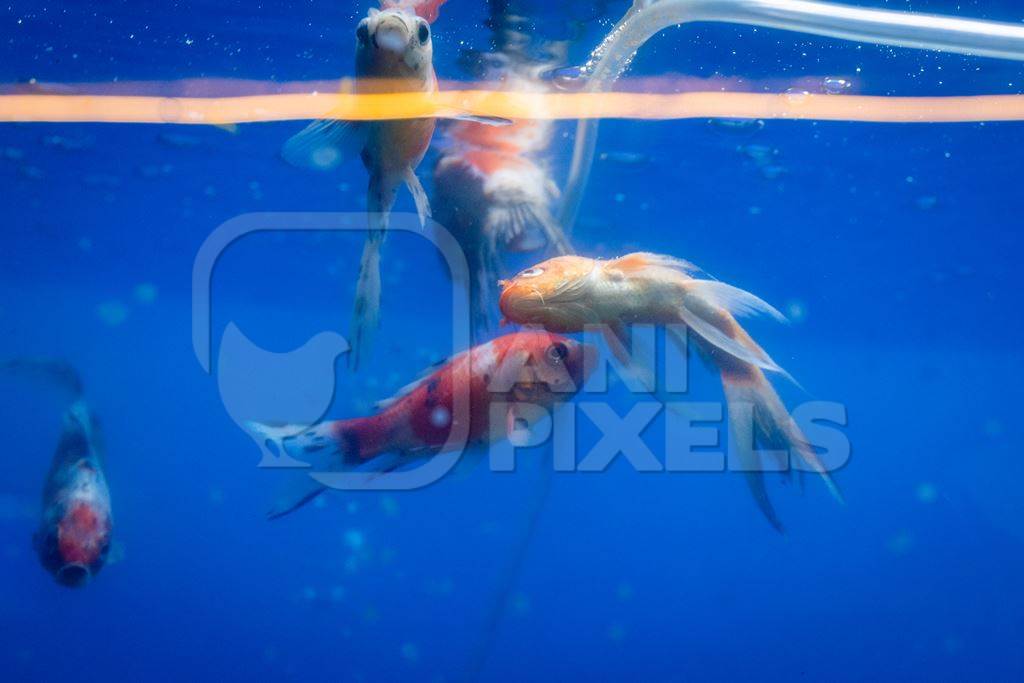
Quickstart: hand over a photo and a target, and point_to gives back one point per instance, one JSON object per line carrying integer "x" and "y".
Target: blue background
{"x": 899, "y": 243}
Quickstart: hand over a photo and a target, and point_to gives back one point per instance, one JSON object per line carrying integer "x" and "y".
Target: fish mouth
{"x": 391, "y": 36}
{"x": 73, "y": 575}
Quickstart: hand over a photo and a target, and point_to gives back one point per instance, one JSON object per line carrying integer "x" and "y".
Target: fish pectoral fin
{"x": 419, "y": 195}
{"x": 324, "y": 144}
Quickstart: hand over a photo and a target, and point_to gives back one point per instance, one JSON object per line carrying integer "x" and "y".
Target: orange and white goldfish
{"x": 534, "y": 367}
{"x": 394, "y": 53}
{"x": 568, "y": 293}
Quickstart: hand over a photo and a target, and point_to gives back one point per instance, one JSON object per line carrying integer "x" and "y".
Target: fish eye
{"x": 423, "y": 33}
{"x": 532, "y": 272}
{"x": 363, "y": 32}
{"x": 557, "y": 352}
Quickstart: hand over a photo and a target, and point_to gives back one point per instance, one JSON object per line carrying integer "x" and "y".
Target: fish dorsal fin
{"x": 412, "y": 386}
{"x": 425, "y": 9}
{"x": 637, "y": 262}
{"x": 324, "y": 144}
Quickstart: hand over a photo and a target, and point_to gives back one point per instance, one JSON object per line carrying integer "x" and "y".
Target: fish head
{"x": 74, "y": 539}
{"x": 393, "y": 44}
{"x": 541, "y": 366}
{"x": 554, "y": 294}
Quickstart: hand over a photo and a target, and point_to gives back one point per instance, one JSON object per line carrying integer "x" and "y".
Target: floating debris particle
{"x": 151, "y": 171}
{"x": 216, "y": 496}
{"x": 993, "y": 427}
{"x": 389, "y": 505}
{"x": 741, "y": 127}
{"x": 12, "y": 154}
{"x": 520, "y": 604}
{"x": 927, "y": 493}
{"x": 179, "y": 140}
{"x": 901, "y": 543}
{"x": 410, "y": 652}
{"x": 759, "y": 154}
{"x": 927, "y": 202}
{"x": 796, "y": 310}
{"x": 633, "y": 159}
{"x": 566, "y": 78}
{"x": 620, "y": 197}
{"x": 616, "y": 632}
{"x": 255, "y": 189}
{"x": 85, "y": 244}
{"x": 354, "y": 539}
{"x": 835, "y": 86}
{"x": 31, "y": 172}
{"x": 101, "y": 180}
{"x": 624, "y": 592}
{"x": 112, "y": 313}
{"x": 66, "y": 144}
{"x": 772, "y": 171}
{"x": 145, "y": 293}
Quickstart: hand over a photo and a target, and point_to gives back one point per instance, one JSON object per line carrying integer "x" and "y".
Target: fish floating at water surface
{"x": 394, "y": 53}
{"x": 568, "y": 293}
{"x": 534, "y": 367}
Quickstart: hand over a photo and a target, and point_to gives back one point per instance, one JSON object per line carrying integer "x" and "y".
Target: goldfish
{"x": 394, "y": 53}
{"x": 567, "y": 293}
{"x": 522, "y": 368}
{"x": 73, "y": 539}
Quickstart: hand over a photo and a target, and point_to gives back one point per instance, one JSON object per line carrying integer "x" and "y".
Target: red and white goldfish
{"x": 568, "y": 293}
{"x": 73, "y": 540}
{"x": 535, "y": 368}
{"x": 394, "y": 53}
{"x": 74, "y": 534}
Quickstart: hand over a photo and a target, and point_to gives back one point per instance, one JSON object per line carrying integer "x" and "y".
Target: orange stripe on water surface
{"x": 512, "y": 105}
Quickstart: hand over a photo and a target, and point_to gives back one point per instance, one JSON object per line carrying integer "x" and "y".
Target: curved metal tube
{"x": 647, "y": 17}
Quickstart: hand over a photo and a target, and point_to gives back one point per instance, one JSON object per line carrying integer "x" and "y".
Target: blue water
{"x": 895, "y": 249}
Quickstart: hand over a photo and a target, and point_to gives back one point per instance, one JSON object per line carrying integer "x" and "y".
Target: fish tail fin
{"x": 527, "y": 226}
{"x": 757, "y": 416}
{"x": 319, "y": 448}
{"x": 366, "y": 313}
{"x": 54, "y": 371}
{"x": 419, "y": 195}
{"x": 317, "y": 455}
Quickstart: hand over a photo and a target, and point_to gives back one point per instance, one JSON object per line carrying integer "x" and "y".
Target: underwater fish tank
{"x": 762, "y": 425}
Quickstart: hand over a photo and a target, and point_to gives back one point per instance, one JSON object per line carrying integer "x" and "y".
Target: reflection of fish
{"x": 73, "y": 539}
{"x": 531, "y": 368}
{"x": 492, "y": 197}
{"x": 491, "y": 190}
{"x": 394, "y": 53}
{"x": 565, "y": 294}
